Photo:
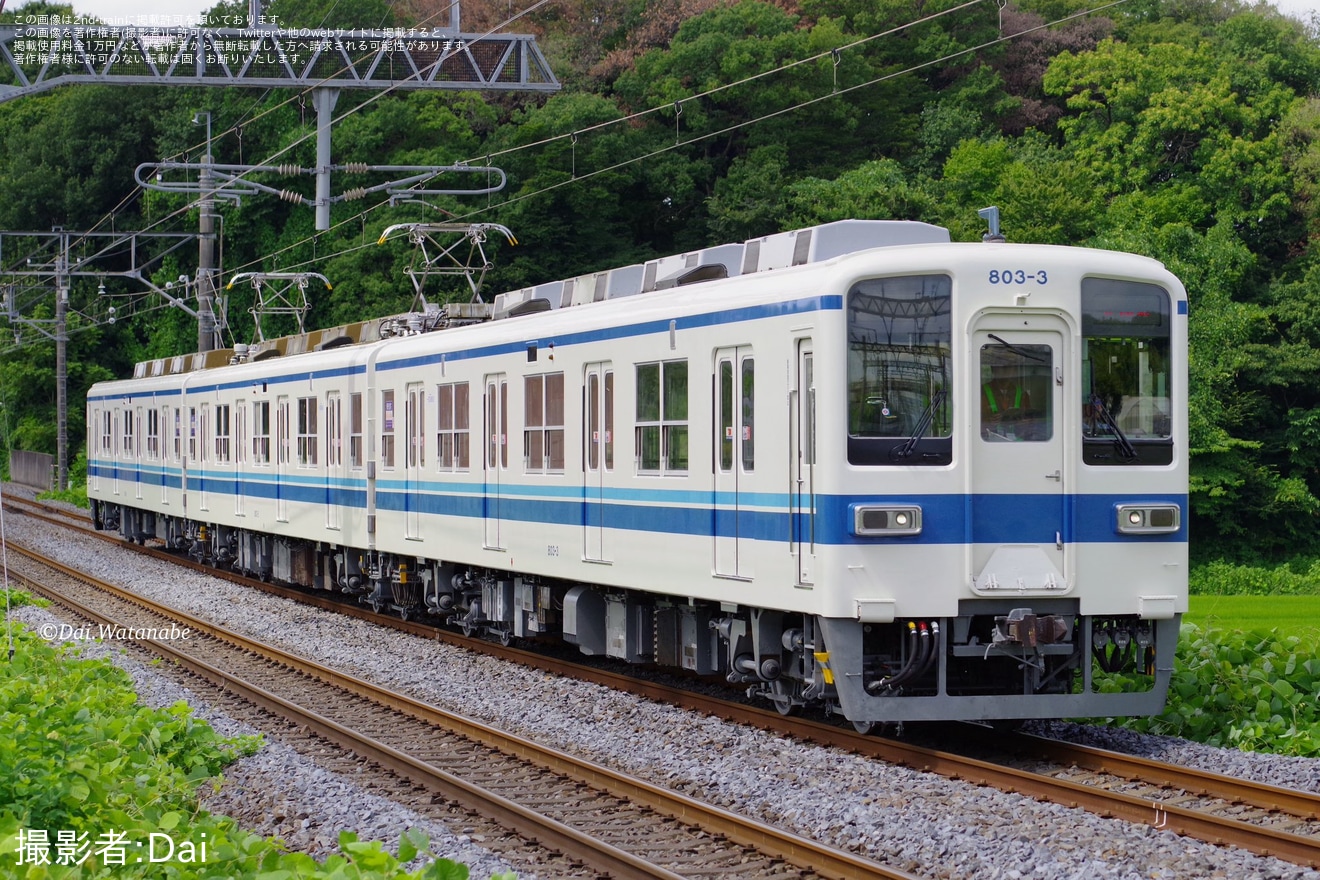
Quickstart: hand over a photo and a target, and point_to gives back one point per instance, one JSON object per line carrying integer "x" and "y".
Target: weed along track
{"x": 620, "y": 826}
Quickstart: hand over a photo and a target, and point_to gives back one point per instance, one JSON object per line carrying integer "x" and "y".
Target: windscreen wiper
{"x": 1019, "y": 351}
{"x": 927, "y": 416}
{"x": 1120, "y": 439}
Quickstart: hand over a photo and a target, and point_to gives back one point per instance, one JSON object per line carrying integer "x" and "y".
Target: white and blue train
{"x": 855, "y": 466}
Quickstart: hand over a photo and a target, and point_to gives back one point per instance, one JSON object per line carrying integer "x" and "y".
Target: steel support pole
{"x": 62, "y": 365}
{"x": 324, "y": 102}
{"x": 206, "y": 249}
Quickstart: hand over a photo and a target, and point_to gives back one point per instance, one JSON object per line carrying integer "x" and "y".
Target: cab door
{"x": 1019, "y": 476}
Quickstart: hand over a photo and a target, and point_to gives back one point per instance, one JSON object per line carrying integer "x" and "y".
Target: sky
{"x": 132, "y": 11}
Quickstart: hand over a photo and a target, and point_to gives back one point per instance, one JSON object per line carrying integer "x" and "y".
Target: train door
{"x": 802, "y": 461}
{"x": 137, "y": 452}
{"x": 1019, "y": 525}
{"x": 240, "y": 454}
{"x": 94, "y": 450}
{"x": 496, "y": 456}
{"x": 414, "y": 417}
{"x": 734, "y": 459}
{"x": 204, "y": 454}
{"x": 334, "y": 461}
{"x": 598, "y": 439}
{"x": 281, "y": 458}
{"x": 115, "y": 453}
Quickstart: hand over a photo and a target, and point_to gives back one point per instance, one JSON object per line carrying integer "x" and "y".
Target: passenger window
{"x": 662, "y": 418}
{"x": 543, "y": 422}
{"x": 452, "y": 431}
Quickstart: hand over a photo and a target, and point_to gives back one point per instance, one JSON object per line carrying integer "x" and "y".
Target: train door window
{"x": 452, "y": 426}
{"x": 415, "y": 429}
{"x": 192, "y": 433}
{"x": 178, "y": 434}
{"x": 222, "y": 433}
{"x": 107, "y": 437}
{"x": 599, "y": 410}
{"x": 1126, "y": 370}
{"x": 747, "y": 388}
{"x": 355, "y": 429}
{"x": 543, "y": 423}
{"x": 128, "y": 433}
{"x": 307, "y": 432}
{"x": 282, "y": 430}
{"x": 900, "y": 339}
{"x": 334, "y": 426}
{"x": 609, "y": 420}
{"x": 261, "y": 432}
{"x": 497, "y": 420}
{"x": 204, "y": 433}
{"x": 240, "y": 432}
{"x": 1017, "y": 392}
{"x": 387, "y": 428}
{"x": 153, "y": 433}
{"x": 736, "y": 411}
{"x": 662, "y": 418}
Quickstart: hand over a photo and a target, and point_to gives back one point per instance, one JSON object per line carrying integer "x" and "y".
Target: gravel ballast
{"x": 917, "y": 821}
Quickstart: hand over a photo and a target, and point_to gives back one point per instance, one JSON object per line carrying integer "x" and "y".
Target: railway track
{"x": 1218, "y": 809}
{"x": 618, "y": 825}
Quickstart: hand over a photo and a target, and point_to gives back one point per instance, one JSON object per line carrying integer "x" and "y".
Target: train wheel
{"x": 782, "y": 698}
{"x": 866, "y": 728}
{"x": 506, "y": 637}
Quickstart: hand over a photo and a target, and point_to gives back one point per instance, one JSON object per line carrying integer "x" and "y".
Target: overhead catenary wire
{"x": 581, "y": 176}
{"x": 297, "y": 96}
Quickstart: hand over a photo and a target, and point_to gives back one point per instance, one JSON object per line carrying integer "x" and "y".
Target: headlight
{"x": 887, "y": 519}
{"x": 1148, "y": 519}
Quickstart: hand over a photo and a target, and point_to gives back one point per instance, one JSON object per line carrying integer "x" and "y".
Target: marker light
{"x": 885, "y": 520}
{"x": 1148, "y": 519}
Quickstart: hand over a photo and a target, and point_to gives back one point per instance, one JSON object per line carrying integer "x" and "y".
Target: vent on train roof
{"x": 795, "y": 248}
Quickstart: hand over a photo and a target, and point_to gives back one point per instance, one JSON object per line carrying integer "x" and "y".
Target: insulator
{"x": 356, "y": 167}
{"x": 356, "y": 192}
{"x": 290, "y": 169}
{"x": 290, "y": 196}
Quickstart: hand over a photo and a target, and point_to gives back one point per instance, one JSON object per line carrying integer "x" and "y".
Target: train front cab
{"x": 1069, "y": 534}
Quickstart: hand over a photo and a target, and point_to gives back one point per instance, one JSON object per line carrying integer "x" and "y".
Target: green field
{"x": 1292, "y": 615}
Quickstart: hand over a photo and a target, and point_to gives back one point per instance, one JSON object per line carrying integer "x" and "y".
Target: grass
{"x": 1291, "y": 615}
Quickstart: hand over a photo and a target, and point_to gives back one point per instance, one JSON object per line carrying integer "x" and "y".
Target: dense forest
{"x": 1186, "y": 130}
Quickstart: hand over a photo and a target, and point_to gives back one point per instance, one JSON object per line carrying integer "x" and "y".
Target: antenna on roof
{"x": 991, "y": 216}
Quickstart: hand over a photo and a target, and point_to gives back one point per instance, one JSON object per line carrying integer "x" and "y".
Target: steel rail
{"x": 818, "y": 857}
{"x": 1305, "y": 804}
{"x": 1159, "y": 814}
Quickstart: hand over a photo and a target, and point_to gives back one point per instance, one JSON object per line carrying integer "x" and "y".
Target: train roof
{"x": 783, "y": 250}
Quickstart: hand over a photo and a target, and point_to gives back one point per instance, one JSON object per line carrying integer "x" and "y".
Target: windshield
{"x": 1125, "y": 364}
{"x": 899, "y": 343}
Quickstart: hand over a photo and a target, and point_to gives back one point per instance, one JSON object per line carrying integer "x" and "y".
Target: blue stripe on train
{"x": 947, "y": 519}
